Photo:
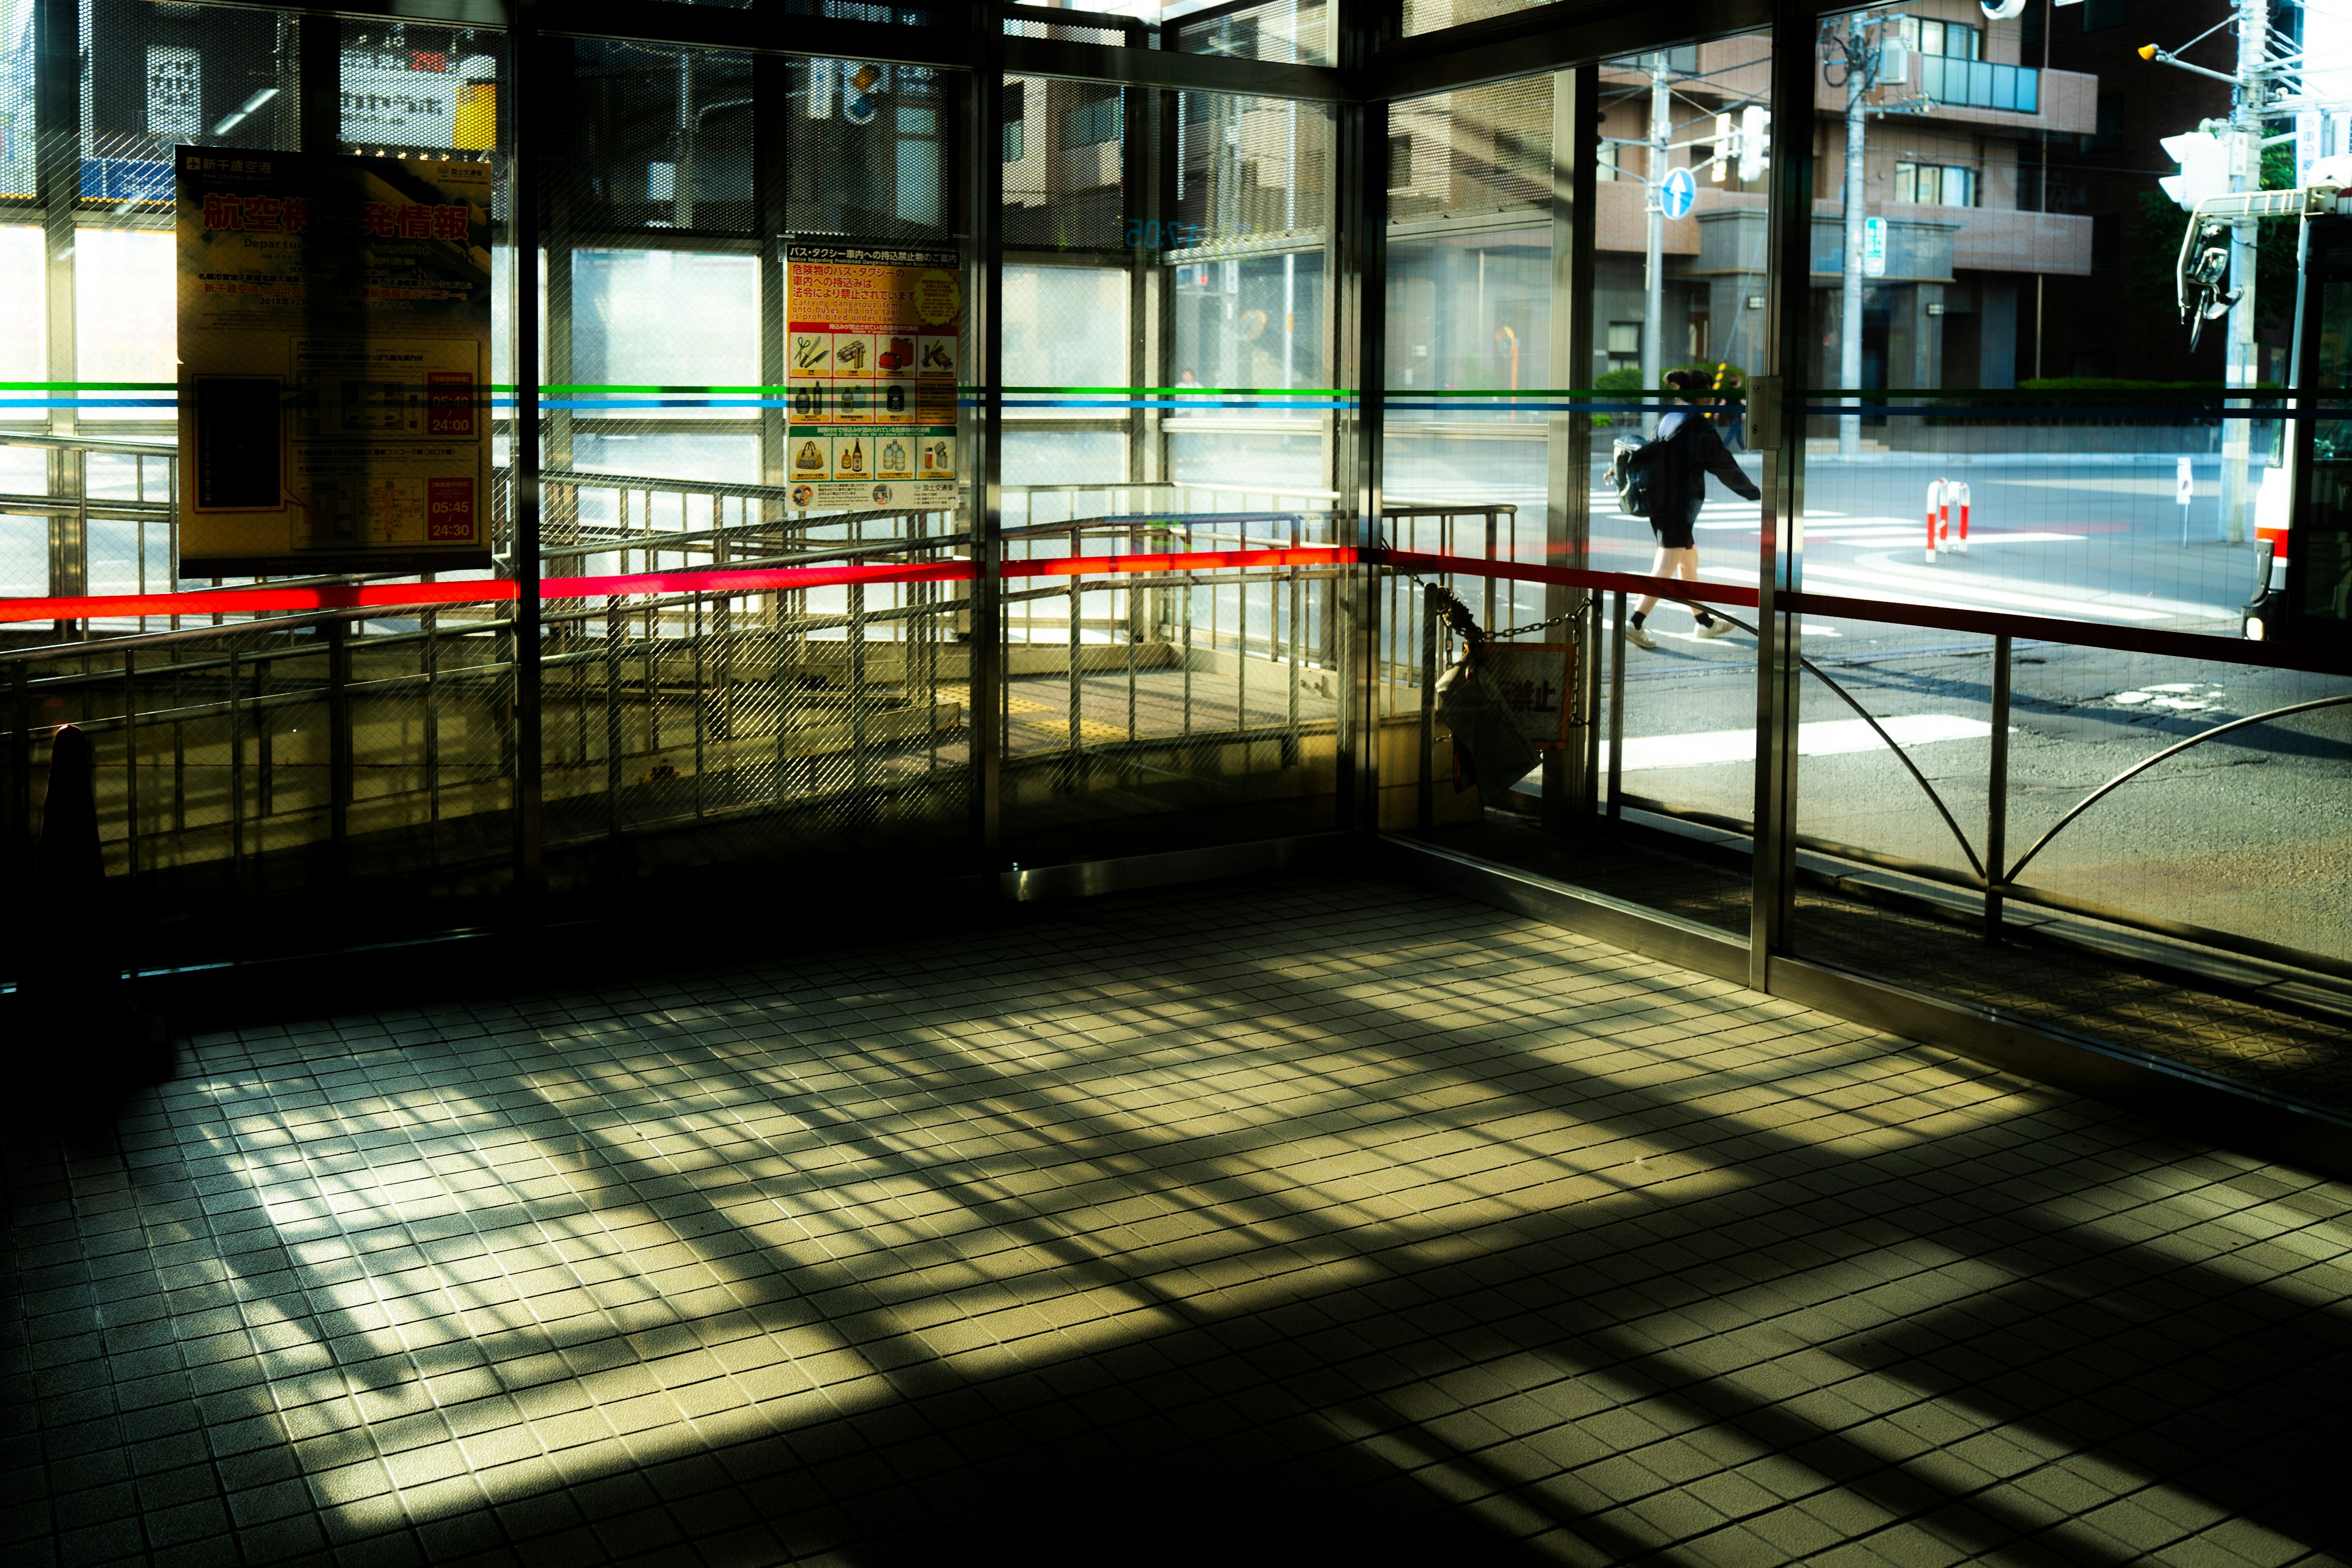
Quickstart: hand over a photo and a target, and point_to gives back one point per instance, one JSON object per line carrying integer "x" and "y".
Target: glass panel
{"x": 1434, "y": 16}
{"x": 2141, "y": 921}
{"x": 23, "y": 316}
{"x": 645, "y": 323}
{"x": 1290, "y": 30}
{"x": 17, "y": 104}
{"x": 1166, "y": 395}
{"x": 126, "y": 324}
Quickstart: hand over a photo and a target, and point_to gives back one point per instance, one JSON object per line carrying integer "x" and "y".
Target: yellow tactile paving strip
{"x": 1314, "y": 1220}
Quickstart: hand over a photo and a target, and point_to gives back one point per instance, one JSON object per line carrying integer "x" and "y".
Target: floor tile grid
{"x": 1097, "y": 1088}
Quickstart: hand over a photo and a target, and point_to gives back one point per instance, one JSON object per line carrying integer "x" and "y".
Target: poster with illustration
{"x": 870, "y": 354}
{"x": 334, "y": 320}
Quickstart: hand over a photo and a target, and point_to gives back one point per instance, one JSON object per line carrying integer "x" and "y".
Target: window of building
{"x": 2029, "y": 29}
{"x": 1400, "y": 161}
{"x": 2107, "y": 242}
{"x": 2098, "y": 15}
{"x": 1016, "y": 122}
{"x": 1956, "y": 40}
{"x": 1094, "y": 118}
{"x": 1604, "y": 166}
{"x": 1937, "y": 184}
{"x": 1623, "y": 345}
{"x": 2109, "y": 137}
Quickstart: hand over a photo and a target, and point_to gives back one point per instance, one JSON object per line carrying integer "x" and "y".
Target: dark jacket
{"x": 1688, "y": 449}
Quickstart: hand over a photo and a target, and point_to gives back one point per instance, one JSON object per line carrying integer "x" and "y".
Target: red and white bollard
{"x": 1942, "y": 496}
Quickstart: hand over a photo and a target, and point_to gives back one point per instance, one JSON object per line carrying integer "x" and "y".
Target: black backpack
{"x": 1634, "y": 465}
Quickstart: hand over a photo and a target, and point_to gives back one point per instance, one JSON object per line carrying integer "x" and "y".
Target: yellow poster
{"x": 334, "y": 321}
{"x": 873, "y": 336}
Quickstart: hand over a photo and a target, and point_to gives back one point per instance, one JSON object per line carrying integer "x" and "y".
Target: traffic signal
{"x": 1755, "y": 141}
{"x": 2204, "y": 161}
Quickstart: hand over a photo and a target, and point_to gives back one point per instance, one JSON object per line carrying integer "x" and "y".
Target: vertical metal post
{"x": 1781, "y": 437}
{"x": 1616, "y": 707}
{"x": 700, "y": 699}
{"x": 1569, "y": 775}
{"x": 982, "y": 102}
{"x": 1424, "y": 814}
{"x": 20, "y": 774}
{"x": 533, "y": 63}
{"x": 57, "y": 153}
{"x": 861, "y": 761}
{"x": 1358, "y": 289}
{"x": 1078, "y": 654}
{"x": 429, "y": 655}
{"x": 265, "y": 749}
{"x": 1290, "y": 750}
{"x": 339, "y": 747}
{"x": 771, "y": 186}
{"x": 616, "y": 631}
{"x": 236, "y": 770}
{"x": 130, "y": 762}
{"x": 1995, "y": 856}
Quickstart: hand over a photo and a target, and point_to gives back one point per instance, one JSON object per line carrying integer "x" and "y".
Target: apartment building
{"x": 1949, "y": 148}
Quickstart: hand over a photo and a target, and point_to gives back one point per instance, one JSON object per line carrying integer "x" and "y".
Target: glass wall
{"x": 1167, "y": 340}
{"x": 2032, "y": 527}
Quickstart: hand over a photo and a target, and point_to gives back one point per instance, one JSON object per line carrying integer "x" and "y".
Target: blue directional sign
{"x": 1678, "y": 194}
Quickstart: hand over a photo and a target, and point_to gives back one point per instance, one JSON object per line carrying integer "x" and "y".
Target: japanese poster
{"x": 870, "y": 350}
{"x": 334, "y": 362}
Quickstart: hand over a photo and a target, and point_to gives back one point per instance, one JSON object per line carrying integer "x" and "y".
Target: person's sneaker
{"x": 1714, "y": 628}
{"x": 1639, "y": 637}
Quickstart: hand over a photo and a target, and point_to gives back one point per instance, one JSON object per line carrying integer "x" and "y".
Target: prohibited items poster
{"x": 334, "y": 362}
{"x": 872, "y": 336}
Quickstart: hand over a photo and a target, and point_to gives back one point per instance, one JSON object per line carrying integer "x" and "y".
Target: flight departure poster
{"x": 334, "y": 319}
{"x": 870, "y": 345}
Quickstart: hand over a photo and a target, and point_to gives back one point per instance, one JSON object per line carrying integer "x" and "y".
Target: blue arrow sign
{"x": 1678, "y": 194}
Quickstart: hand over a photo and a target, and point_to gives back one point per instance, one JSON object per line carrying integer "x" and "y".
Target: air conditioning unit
{"x": 1894, "y": 63}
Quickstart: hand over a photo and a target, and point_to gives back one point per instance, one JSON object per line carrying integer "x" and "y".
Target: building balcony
{"x": 1986, "y": 94}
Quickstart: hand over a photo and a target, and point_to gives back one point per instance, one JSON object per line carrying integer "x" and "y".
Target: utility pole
{"x": 2246, "y": 105}
{"x": 1859, "y": 72}
{"x": 1654, "y": 274}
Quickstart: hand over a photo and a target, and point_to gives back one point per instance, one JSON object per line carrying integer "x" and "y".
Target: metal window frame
{"x": 1375, "y": 66}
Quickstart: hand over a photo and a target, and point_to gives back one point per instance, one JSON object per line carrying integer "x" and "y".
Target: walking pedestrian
{"x": 1686, "y": 450}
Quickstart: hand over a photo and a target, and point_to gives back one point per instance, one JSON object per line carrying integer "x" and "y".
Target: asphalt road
{"x": 2251, "y": 832}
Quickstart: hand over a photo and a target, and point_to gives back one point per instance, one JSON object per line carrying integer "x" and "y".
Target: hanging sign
{"x": 1537, "y": 681}
{"x": 334, "y": 364}
{"x": 871, "y": 342}
{"x": 1873, "y": 248}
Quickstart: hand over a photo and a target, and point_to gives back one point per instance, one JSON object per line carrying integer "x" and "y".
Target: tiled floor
{"x": 1313, "y": 1220}
{"x": 2297, "y": 1049}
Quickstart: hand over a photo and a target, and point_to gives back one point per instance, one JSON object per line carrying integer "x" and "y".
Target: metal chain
{"x": 1463, "y": 610}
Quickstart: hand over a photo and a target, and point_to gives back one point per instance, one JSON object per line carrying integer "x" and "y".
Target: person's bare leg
{"x": 1662, "y": 564}
{"x": 1683, "y": 566}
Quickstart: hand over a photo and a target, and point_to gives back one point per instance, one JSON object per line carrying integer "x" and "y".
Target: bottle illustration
{"x": 810, "y": 459}
{"x": 804, "y": 403}
{"x": 853, "y": 402}
{"x": 854, "y": 461}
{"x": 893, "y": 457}
{"x": 895, "y": 400}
